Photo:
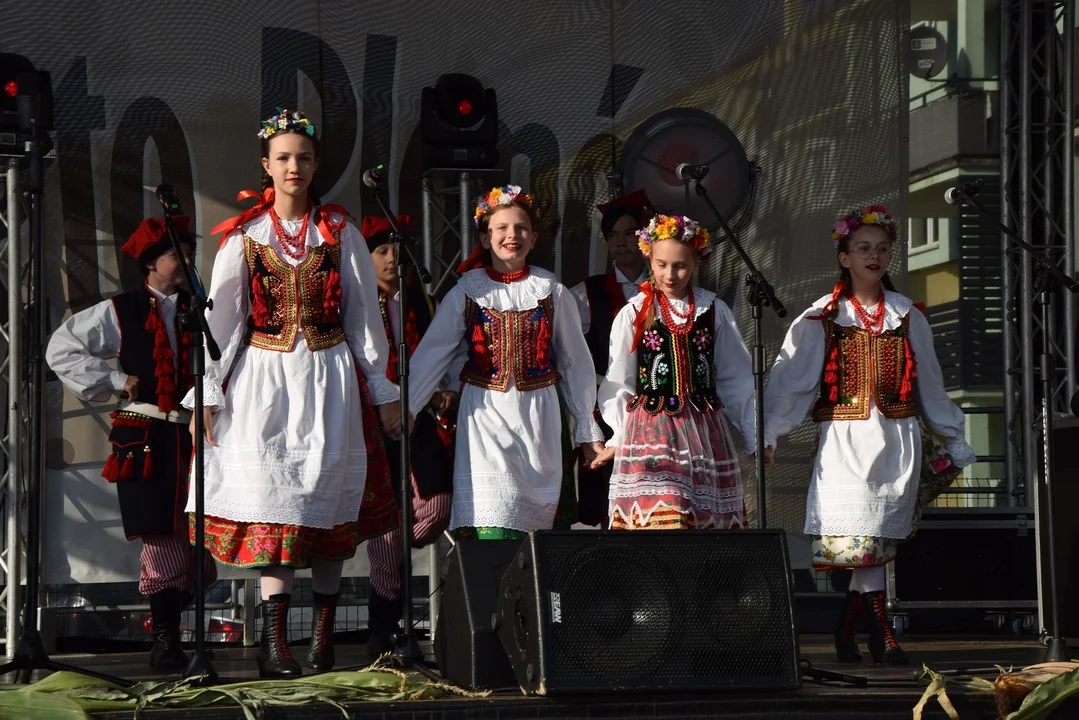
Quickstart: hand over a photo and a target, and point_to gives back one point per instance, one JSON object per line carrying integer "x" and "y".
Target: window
{"x": 922, "y": 234}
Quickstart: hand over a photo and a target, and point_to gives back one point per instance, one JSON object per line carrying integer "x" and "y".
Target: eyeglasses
{"x": 864, "y": 252}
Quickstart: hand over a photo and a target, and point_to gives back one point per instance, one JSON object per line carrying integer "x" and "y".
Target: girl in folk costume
{"x": 865, "y": 363}
{"x": 432, "y": 467}
{"x": 676, "y": 360}
{"x": 150, "y": 446}
{"x": 520, "y": 333}
{"x": 600, "y": 298}
{"x": 295, "y": 305}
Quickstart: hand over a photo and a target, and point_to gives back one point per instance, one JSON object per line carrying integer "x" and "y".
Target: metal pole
{"x": 464, "y": 199}
{"x": 14, "y": 422}
{"x": 434, "y": 579}
{"x": 428, "y": 231}
{"x": 1007, "y": 193}
{"x": 1067, "y": 191}
{"x": 1026, "y": 284}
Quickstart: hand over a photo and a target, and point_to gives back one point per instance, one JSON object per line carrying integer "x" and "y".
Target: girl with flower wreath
{"x": 865, "y": 364}
{"x": 291, "y": 431}
{"x": 679, "y": 372}
{"x": 519, "y": 332}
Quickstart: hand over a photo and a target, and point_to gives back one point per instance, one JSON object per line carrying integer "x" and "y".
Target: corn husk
{"x": 1035, "y": 691}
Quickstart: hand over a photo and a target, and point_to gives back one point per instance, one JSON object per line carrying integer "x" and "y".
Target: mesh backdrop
{"x": 146, "y": 93}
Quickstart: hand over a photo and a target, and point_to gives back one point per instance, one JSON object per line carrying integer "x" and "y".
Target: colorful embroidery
{"x": 672, "y": 369}
{"x": 502, "y": 342}
{"x": 285, "y": 298}
{"x": 861, "y": 366}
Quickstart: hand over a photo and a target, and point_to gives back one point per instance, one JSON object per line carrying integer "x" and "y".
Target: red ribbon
{"x": 320, "y": 216}
{"x": 646, "y": 306}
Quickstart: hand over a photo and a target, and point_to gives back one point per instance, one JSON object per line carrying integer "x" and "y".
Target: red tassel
{"x": 164, "y": 369}
{"x": 831, "y": 374}
{"x": 127, "y": 470}
{"x": 543, "y": 343}
{"x": 906, "y": 389}
{"x": 332, "y": 303}
{"x": 479, "y": 347}
{"x": 112, "y": 468}
{"x": 147, "y": 464}
{"x": 259, "y": 310}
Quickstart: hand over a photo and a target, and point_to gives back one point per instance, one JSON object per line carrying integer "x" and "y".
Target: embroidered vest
{"x": 501, "y": 343}
{"x": 675, "y": 369}
{"x": 603, "y": 308}
{"x": 284, "y": 298}
{"x": 137, "y": 349}
{"x": 859, "y": 366}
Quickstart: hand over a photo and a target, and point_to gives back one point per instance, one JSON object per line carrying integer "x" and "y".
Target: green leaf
{"x": 1046, "y": 697}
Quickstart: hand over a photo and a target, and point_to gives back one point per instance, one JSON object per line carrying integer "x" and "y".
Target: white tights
{"x": 325, "y": 578}
{"x": 869, "y": 579}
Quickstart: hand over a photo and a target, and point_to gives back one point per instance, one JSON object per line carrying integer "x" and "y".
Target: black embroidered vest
{"x": 137, "y": 343}
{"x": 673, "y": 370}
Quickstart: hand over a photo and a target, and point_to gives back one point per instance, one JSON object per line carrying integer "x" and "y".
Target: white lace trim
{"x": 682, "y": 456}
{"x": 962, "y": 453}
{"x": 896, "y": 307}
{"x": 701, "y": 494}
{"x": 895, "y": 528}
{"x": 717, "y": 522}
{"x": 299, "y": 513}
{"x": 212, "y": 396}
{"x": 508, "y": 297}
{"x": 587, "y": 431}
{"x": 702, "y": 300}
{"x": 517, "y": 513}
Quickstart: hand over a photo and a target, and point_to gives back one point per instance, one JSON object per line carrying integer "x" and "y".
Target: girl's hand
{"x": 769, "y": 457}
{"x": 390, "y": 417}
{"x": 602, "y": 455}
{"x": 207, "y": 424}
{"x": 442, "y": 401}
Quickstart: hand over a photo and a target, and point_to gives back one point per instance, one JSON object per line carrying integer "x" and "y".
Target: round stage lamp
{"x": 686, "y": 135}
{"x": 459, "y": 123}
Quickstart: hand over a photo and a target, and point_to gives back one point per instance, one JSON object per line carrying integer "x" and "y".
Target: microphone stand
{"x": 202, "y": 341}
{"x": 408, "y": 652}
{"x": 759, "y": 293}
{"x": 1051, "y": 279}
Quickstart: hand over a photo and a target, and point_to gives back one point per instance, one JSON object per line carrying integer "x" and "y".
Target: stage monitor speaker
{"x": 1065, "y": 479}
{"x": 467, "y": 649}
{"x": 650, "y": 611}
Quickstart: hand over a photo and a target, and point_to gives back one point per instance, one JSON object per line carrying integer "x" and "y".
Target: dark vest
{"x": 858, "y": 366}
{"x": 602, "y": 312}
{"x": 137, "y": 344}
{"x": 673, "y": 370}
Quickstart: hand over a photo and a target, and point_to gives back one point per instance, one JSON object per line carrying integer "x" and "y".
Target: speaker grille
{"x": 667, "y": 609}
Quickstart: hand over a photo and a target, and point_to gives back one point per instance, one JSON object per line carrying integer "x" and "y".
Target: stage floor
{"x": 892, "y": 692}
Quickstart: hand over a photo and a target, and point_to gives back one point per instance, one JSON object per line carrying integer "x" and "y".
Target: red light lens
{"x": 11, "y": 88}
{"x": 464, "y": 107}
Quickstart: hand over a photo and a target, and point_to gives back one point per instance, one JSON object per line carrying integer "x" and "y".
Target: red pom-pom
{"x": 259, "y": 310}
{"x": 112, "y": 468}
{"x": 543, "y": 343}
{"x": 906, "y": 389}
{"x": 331, "y": 304}
{"x": 479, "y": 347}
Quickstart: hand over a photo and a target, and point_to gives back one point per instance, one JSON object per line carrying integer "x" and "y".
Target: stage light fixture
{"x": 459, "y": 123}
{"x": 23, "y": 85}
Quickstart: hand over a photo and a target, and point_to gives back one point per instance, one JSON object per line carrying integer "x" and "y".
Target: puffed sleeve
{"x": 79, "y": 349}
{"x": 361, "y": 317}
{"x": 795, "y": 377}
{"x": 937, "y": 409}
{"x": 441, "y": 348}
{"x": 620, "y": 382}
{"x": 734, "y": 375}
{"x": 227, "y": 320}
{"x": 574, "y": 363}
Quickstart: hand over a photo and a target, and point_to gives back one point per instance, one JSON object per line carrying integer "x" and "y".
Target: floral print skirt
{"x": 676, "y": 472}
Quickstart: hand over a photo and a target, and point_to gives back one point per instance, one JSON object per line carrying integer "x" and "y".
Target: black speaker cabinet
{"x": 467, "y": 649}
{"x": 650, "y": 611}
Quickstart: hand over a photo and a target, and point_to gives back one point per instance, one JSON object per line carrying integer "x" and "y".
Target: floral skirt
{"x": 242, "y": 544}
{"x": 938, "y": 472}
{"x": 676, "y": 472}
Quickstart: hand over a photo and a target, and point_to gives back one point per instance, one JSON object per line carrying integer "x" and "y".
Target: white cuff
{"x": 962, "y": 453}
{"x": 587, "y": 431}
{"x": 382, "y": 390}
{"x": 213, "y": 397}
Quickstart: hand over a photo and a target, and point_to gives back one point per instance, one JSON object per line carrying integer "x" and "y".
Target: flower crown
{"x": 673, "y": 227}
{"x": 286, "y": 120}
{"x": 856, "y": 218}
{"x": 503, "y": 197}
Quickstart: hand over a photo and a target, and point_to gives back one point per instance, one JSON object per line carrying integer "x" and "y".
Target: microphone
{"x": 686, "y": 172}
{"x": 168, "y": 201}
{"x": 374, "y": 177}
{"x": 960, "y": 193}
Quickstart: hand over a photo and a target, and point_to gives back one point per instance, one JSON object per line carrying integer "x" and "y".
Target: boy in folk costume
{"x": 600, "y": 298}
{"x": 866, "y": 366}
{"x": 149, "y": 443}
{"x": 432, "y": 451}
